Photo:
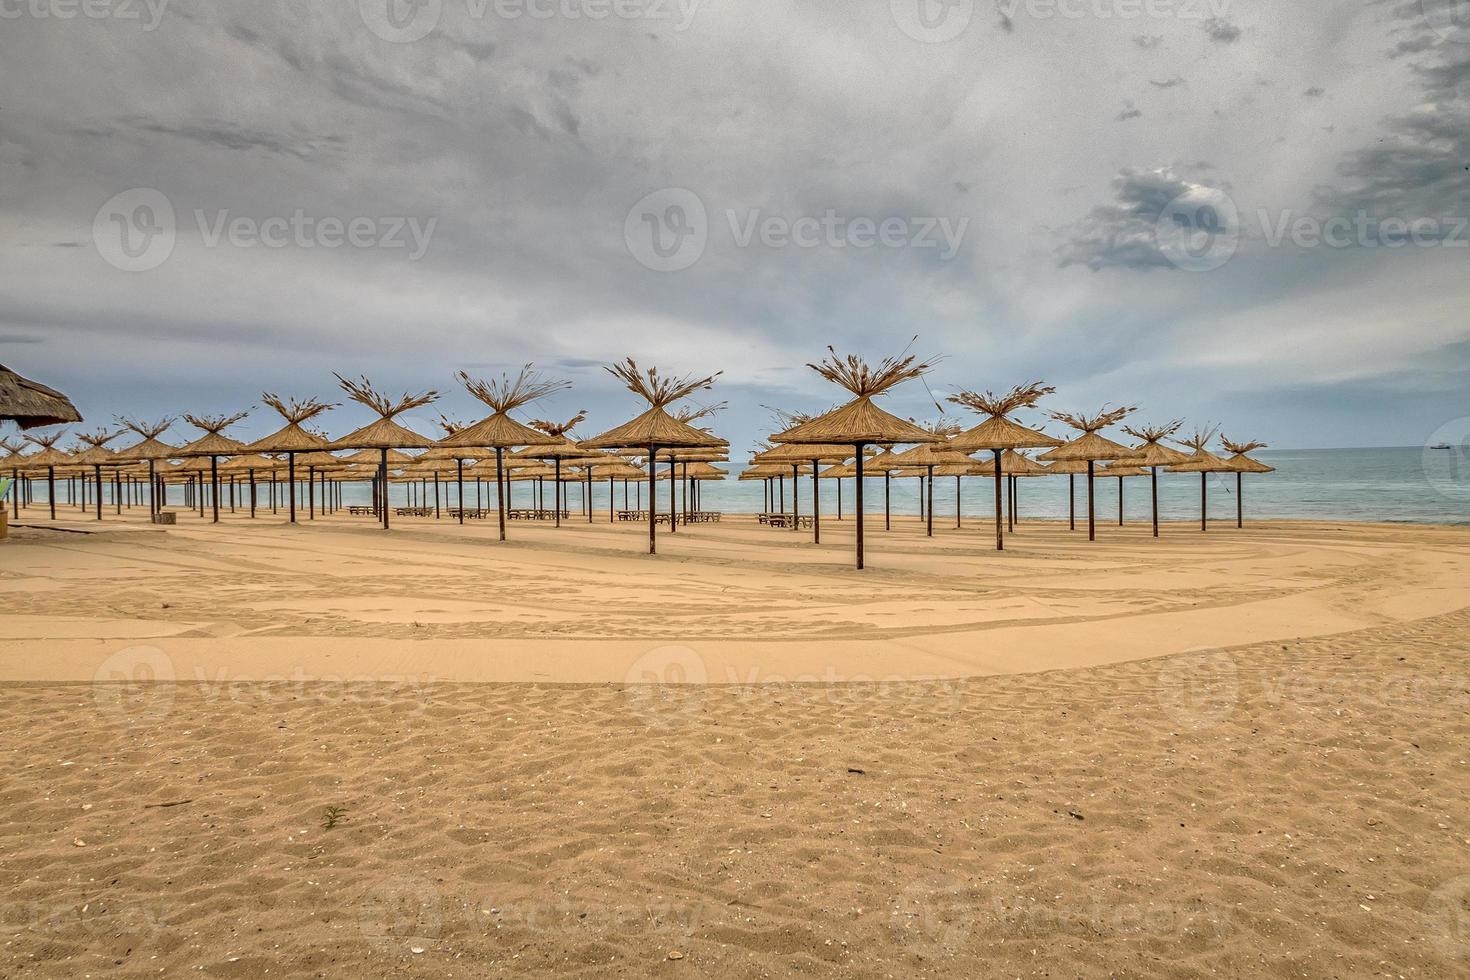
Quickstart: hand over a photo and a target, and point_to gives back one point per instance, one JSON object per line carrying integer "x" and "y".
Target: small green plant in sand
{"x": 332, "y": 816}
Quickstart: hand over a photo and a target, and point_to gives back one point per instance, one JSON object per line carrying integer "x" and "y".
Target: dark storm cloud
{"x": 1123, "y": 234}
{"x": 1221, "y": 31}
{"x": 1315, "y": 92}
{"x": 1174, "y": 82}
{"x": 1148, "y": 41}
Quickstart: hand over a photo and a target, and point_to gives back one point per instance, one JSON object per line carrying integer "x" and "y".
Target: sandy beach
{"x": 1237, "y": 753}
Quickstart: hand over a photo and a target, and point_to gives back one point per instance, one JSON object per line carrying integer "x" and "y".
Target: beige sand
{"x": 1289, "y": 799}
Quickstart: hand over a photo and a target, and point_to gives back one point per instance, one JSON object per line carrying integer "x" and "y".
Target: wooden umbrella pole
{"x": 795, "y": 497}
{"x": 1204, "y": 500}
{"x": 1153, "y": 479}
{"x": 887, "y": 504}
{"x": 589, "y": 495}
{"x": 500, "y": 489}
{"x": 1072, "y": 500}
{"x": 673, "y": 498}
{"x": 311, "y": 492}
{"x": 459, "y": 478}
{"x": 556, "y": 495}
{"x": 1000, "y": 535}
{"x": 931, "y": 500}
{"x": 816, "y": 507}
{"x": 612, "y": 499}
{"x": 1239, "y": 507}
{"x": 839, "y": 494}
{"x": 291, "y": 483}
{"x": 957, "y": 503}
{"x": 858, "y": 470}
{"x": 1120, "y": 501}
{"x": 383, "y": 471}
{"x": 652, "y": 499}
{"x": 99, "y": 491}
{"x": 1091, "y": 517}
{"x": 214, "y": 484}
{"x": 252, "y": 493}
{"x": 51, "y": 489}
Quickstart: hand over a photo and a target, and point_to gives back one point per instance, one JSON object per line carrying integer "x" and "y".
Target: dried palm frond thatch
{"x": 865, "y": 380}
{"x": 10, "y": 447}
{"x": 97, "y": 439}
{"x": 450, "y": 426}
{"x": 1240, "y": 448}
{"x": 782, "y": 419}
{"x": 1154, "y": 433}
{"x": 29, "y": 403}
{"x": 214, "y": 424}
{"x": 942, "y": 426}
{"x": 363, "y": 392}
{"x": 697, "y": 412}
{"x": 45, "y": 441}
{"x": 1200, "y": 439}
{"x": 148, "y": 430}
{"x": 1092, "y": 423}
{"x": 999, "y": 406}
{"x": 505, "y": 393}
{"x": 297, "y": 410}
{"x": 659, "y": 390}
{"x": 559, "y": 428}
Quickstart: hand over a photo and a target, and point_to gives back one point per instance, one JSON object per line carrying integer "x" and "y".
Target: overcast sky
{"x": 1075, "y": 191}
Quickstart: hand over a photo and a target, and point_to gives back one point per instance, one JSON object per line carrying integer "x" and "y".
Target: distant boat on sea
{"x": 1441, "y": 445}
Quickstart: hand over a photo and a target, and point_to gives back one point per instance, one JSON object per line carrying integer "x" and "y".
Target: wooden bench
{"x": 533, "y": 514}
{"x": 360, "y": 509}
{"x": 632, "y": 515}
{"x": 701, "y": 517}
{"x": 784, "y": 520}
{"x": 470, "y": 513}
{"x": 414, "y": 511}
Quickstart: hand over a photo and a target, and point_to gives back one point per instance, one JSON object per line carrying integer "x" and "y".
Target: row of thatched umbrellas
{"x": 849, "y": 432}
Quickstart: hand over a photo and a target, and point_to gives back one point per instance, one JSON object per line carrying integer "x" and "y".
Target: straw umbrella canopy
{"x": 656, "y": 429}
{"x": 613, "y": 469}
{"x": 292, "y": 438}
{"x": 214, "y": 445}
{"x": 250, "y": 464}
{"x": 1090, "y": 447}
{"x": 1151, "y": 453}
{"x": 814, "y": 455}
{"x": 1203, "y": 462}
{"x": 998, "y": 433}
{"x": 97, "y": 455}
{"x": 48, "y": 459}
{"x": 498, "y": 431}
{"x": 151, "y": 449}
{"x": 30, "y": 404}
{"x": 1123, "y": 469}
{"x": 384, "y": 434}
{"x": 13, "y": 461}
{"x": 458, "y": 455}
{"x": 1240, "y": 464}
{"x": 883, "y": 463}
{"x": 956, "y": 469}
{"x": 860, "y": 423}
{"x": 565, "y": 448}
{"x": 925, "y": 459}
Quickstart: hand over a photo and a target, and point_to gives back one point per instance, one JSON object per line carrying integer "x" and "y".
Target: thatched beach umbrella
{"x": 613, "y": 470}
{"x": 97, "y": 455}
{"x": 797, "y": 456}
{"x": 1090, "y": 447}
{"x": 12, "y": 461}
{"x": 213, "y": 445}
{"x": 1016, "y": 465}
{"x": 384, "y": 434}
{"x": 30, "y": 404}
{"x": 1203, "y": 462}
{"x": 883, "y": 463}
{"x": 565, "y": 448}
{"x": 998, "y": 433}
{"x": 459, "y": 455}
{"x": 1151, "y": 453}
{"x": 498, "y": 431}
{"x": 860, "y": 423}
{"x": 1122, "y": 469}
{"x": 48, "y": 459}
{"x": 1240, "y": 464}
{"x": 292, "y": 438}
{"x": 252, "y": 464}
{"x": 927, "y": 459}
{"x": 656, "y": 429}
{"x": 151, "y": 449}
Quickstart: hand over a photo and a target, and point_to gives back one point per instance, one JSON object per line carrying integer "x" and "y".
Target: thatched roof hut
{"x": 383, "y": 434}
{"x": 1090, "y": 447}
